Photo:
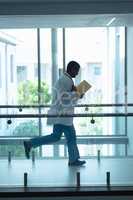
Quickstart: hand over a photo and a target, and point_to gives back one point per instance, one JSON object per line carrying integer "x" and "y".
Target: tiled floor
{"x": 56, "y": 173}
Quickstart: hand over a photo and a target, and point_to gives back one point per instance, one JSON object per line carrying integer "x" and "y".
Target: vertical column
{"x": 118, "y": 84}
{"x": 64, "y": 52}
{"x": 39, "y": 81}
{"x": 54, "y": 72}
{"x": 126, "y": 88}
{"x": 54, "y": 55}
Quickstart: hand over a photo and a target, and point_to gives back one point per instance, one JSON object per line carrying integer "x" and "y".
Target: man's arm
{"x": 74, "y": 88}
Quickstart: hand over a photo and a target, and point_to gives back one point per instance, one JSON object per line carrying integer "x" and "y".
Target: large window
{"x": 101, "y": 54}
{"x": 34, "y": 60}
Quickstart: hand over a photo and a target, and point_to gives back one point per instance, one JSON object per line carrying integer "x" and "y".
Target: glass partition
{"x": 31, "y": 60}
{"x": 101, "y": 53}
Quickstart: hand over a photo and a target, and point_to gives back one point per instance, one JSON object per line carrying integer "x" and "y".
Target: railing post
{"x": 25, "y": 179}
{"x": 108, "y": 179}
{"x": 33, "y": 157}
{"x": 9, "y": 157}
{"x": 78, "y": 179}
{"x": 98, "y": 155}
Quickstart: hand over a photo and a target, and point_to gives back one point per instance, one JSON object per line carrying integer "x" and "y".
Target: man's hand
{"x": 81, "y": 96}
{"x": 74, "y": 88}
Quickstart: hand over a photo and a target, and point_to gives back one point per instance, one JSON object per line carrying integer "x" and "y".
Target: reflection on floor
{"x": 57, "y": 173}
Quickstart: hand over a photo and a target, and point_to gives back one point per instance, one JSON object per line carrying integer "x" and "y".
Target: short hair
{"x": 73, "y": 64}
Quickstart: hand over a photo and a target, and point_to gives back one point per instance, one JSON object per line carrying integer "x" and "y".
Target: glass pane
{"x": 105, "y": 150}
{"x": 45, "y": 53}
{"x": 101, "y": 54}
{"x": 51, "y": 67}
{"x": 18, "y": 59}
{"x": 130, "y": 135}
{"x": 92, "y": 150}
{"x": 15, "y": 150}
{"x": 129, "y": 64}
{"x": 19, "y": 127}
{"x": 21, "y": 58}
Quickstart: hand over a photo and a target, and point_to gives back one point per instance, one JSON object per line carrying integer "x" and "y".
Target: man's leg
{"x": 38, "y": 141}
{"x": 73, "y": 151}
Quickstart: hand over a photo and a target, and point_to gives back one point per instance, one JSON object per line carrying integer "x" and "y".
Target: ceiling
{"x": 49, "y": 21}
{"x": 45, "y": 1}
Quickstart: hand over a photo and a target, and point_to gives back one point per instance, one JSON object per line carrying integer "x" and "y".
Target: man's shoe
{"x": 77, "y": 163}
{"x": 27, "y": 149}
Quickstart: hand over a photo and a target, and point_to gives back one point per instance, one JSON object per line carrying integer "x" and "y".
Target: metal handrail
{"x": 80, "y": 140}
{"x": 78, "y": 105}
{"x": 66, "y": 115}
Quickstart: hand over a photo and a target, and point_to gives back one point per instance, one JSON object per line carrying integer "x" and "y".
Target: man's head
{"x": 73, "y": 68}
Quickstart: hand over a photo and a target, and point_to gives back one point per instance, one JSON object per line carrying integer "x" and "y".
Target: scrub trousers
{"x": 58, "y": 130}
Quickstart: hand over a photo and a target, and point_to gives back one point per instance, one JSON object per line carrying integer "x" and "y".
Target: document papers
{"x": 83, "y": 87}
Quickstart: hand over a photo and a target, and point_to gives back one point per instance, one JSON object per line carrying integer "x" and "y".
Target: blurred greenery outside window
{"x": 28, "y": 93}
